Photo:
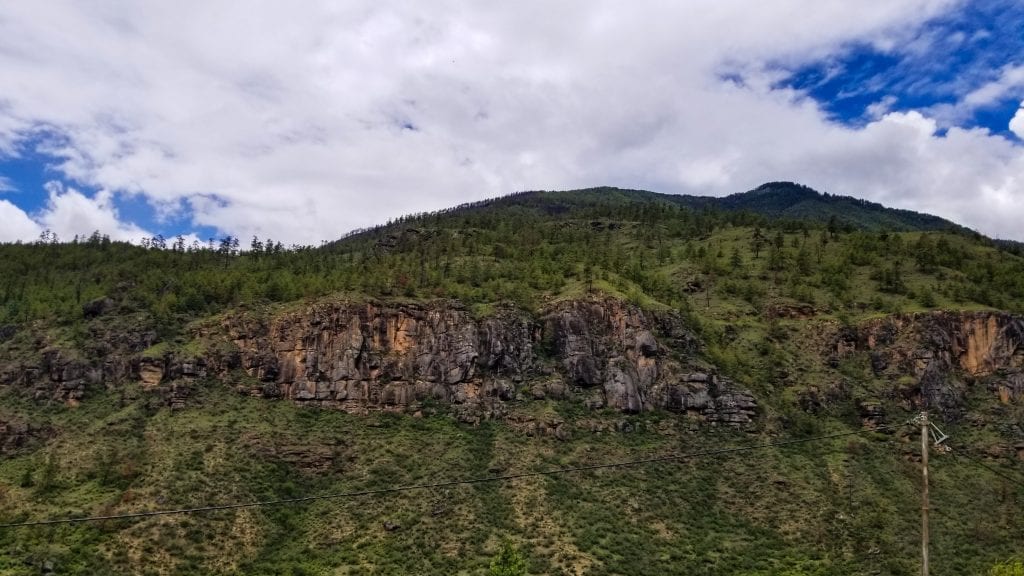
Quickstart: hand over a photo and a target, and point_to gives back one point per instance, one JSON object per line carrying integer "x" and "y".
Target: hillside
{"x": 533, "y": 332}
{"x": 789, "y": 200}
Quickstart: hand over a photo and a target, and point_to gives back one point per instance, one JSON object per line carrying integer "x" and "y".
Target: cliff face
{"x": 616, "y": 355}
{"x": 370, "y": 356}
{"x": 600, "y": 352}
{"x": 364, "y": 356}
{"x": 945, "y": 353}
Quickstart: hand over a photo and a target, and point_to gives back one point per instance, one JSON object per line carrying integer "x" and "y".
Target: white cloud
{"x": 68, "y": 213}
{"x": 303, "y": 124}
{"x": 1010, "y": 80}
{"x": 16, "y": 224}
{"x": 1009, "y": 84}
{"x": 6, "y": 185}
{"x": 878, "y": 109}
{"x": 1017, "y": 122}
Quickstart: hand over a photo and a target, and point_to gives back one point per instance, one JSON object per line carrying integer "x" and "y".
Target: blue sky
{"x": 946, "y": 59}
{"x": 188, "y": 119}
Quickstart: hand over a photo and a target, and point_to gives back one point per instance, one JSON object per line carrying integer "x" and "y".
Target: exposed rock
{"x": 177, "y": 394}
{"x": 942, "y": 351}
{"x": 371, "y": 356}
{"x": 879, "y": 362}
{"x": 49, "y": 371}
{"x": 312, "y": 458}
{"x": 368, "y": 356}
{"x": 715, "y": 399}
{"x": 1010, "y": 389}
{"x": 384, "y": 356}
{"x": 610, "y": 344}
{"x": 151, "y": 372}
{"x": 552, "y": 388}
{"x": 59, "y": 376}
{"x": 16, "y": 435}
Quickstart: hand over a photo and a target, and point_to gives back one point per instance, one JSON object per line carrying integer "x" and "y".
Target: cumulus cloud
{"x": 1017, "y": 122}
{"x": 69, "y": 213}
{"x": 303, "y": 124}
{"x": 16, "y": 224}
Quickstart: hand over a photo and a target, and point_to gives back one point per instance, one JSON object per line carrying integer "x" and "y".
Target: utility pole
{"x": 929, "y": 432}
{"x": 924, "y": 493}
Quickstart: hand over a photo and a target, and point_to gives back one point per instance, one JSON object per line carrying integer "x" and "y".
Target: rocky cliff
{"x": 363, "y": 356}
{"x": 933, "y": 359}
{"x": 370, "y": 356}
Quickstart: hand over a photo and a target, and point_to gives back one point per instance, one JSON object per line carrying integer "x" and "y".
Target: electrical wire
{"x": 441, "y": 484}
{"x": 995, "y": 471}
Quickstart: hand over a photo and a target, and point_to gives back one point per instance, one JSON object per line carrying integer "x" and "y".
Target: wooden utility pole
{"x": 924, "y": 494}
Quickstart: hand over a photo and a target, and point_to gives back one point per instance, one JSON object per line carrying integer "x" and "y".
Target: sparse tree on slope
{"x": 509, "y": 561}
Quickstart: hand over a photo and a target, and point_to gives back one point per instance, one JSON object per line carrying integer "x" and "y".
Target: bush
{"x": 508, "y": 561}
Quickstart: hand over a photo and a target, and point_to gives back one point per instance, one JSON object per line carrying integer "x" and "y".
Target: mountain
{"x": 773, "y": 200}
{"x": 757, "y": 365}
{"x": 795, "y": 201}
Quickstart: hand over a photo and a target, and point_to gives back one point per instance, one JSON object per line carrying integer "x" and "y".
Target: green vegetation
{"x": 1008, "y": 568}
{"x": 508, "y": 562}
{"x": 746, "y": 273}
{"x": 527, "y": 248}
{"x": 835, "y": 507}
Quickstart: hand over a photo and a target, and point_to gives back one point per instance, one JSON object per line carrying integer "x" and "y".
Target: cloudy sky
{"x": 301, "y": 121}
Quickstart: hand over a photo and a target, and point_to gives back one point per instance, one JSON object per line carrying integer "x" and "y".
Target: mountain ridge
{"x": 773, "y": 200}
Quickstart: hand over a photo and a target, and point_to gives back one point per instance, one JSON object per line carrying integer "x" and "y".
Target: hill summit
{"x": 772, "y": 200}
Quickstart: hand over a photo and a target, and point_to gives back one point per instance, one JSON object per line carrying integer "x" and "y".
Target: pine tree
{"x": 735, "y": 261}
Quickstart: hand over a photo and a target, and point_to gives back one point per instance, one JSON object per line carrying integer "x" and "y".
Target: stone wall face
{"x": 943, "y": 352}
{"x": 601, "y": 352}
{"x": 370, "y": 356}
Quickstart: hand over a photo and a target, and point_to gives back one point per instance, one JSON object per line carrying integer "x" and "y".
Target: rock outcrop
{"x": 409, "y": 357}
{"x": 608, "y": 351}
{"x": 370, "y": 356}
{"x": 944, "y": 353}
{"x": 52, "y": 372}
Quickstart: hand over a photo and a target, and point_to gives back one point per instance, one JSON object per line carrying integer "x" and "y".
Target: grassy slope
{"x": 836, "y": 507}
{"x": 830, "y": 508}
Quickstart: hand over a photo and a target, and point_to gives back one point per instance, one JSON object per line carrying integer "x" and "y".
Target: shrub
{"x": 508, "y": 561}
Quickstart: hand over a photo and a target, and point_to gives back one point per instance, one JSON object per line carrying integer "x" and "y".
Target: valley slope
{"x": 532, "y": 332}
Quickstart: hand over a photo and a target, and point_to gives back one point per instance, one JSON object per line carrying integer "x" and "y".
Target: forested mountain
{"x": 532, "y": 332}
{"x": 789, "y": 200}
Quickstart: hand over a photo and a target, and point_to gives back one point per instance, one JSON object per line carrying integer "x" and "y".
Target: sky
{"x": 303, "y": 121}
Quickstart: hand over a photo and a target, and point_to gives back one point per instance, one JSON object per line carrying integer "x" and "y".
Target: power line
{"x": 995, "y": 471}
{"x": 442, "y": 484}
